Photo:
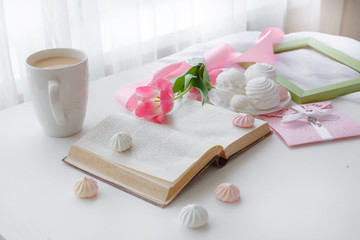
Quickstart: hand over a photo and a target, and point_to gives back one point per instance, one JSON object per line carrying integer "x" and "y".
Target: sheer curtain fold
{"x": 263, "y": 13}
{"x": 8, "y": 92}
{"x": 56, "y": 22}
{"x": 121, "y": 34}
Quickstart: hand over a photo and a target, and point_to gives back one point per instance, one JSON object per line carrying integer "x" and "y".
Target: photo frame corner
{"x": 300, "y": 95}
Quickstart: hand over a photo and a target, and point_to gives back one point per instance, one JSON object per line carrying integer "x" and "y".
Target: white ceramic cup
{"x": 59, "y": 95}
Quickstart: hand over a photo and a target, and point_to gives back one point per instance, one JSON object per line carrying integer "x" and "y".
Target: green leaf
{"x": 193, "y": 70}
{"x": 179, "y": 84}
{"x": 207, "y": 79}
{"x": 201, "y": 86}
{"x": 197, "y": 77}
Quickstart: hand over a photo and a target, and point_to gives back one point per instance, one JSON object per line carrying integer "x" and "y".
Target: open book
{"x": 163, "y": 159}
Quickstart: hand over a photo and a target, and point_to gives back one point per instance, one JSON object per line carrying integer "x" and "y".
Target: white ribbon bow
{"x": 312, "y": 117}
{"x": 324, "y": 114}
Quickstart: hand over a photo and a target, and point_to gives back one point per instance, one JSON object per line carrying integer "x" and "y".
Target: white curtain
{"x": 120, "y": 34}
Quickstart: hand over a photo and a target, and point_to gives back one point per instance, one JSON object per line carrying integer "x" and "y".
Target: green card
{"x": 300, "y": 95}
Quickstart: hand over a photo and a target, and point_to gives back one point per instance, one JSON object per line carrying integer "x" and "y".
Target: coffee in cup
{"x": 56, "y": 62}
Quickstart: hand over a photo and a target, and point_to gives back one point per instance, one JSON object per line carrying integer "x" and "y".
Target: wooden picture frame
{"x": 300, "y": 95}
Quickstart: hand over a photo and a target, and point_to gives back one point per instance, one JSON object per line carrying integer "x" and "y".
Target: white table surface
{"x": 309, "y": 192}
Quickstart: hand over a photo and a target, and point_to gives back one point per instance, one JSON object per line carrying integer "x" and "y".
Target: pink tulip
{"x": 156, "y": 100}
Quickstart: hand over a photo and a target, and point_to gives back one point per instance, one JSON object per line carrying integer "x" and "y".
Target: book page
{"x": 156, "y": 150}
{"x": 208, "y": 122}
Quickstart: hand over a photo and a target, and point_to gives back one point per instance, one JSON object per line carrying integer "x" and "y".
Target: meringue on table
{"x": 227, "y": 192}
{"x": 193, "y": 216}
{"x": 86, "y": 188}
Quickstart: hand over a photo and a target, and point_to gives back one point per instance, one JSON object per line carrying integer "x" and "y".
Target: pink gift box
{"x": 304, "y": 129}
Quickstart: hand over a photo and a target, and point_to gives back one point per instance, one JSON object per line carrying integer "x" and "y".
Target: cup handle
{"x": 54, "y": 99}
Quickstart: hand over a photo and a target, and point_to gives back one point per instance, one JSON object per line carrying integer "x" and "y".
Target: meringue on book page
{"x": 156, "y": 150}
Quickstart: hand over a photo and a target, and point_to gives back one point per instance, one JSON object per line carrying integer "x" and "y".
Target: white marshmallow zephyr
{"x": 238, "y": 103}
{"x": 228, "y": 83}
{"x": 231, "y": 78}
{"x": 260, "y": 70}
{"x": 263, "y": 93}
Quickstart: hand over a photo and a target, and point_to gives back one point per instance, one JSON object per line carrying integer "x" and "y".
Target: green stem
{"x": 184, "y": 92}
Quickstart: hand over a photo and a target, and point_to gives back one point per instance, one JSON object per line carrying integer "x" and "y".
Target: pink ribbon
{"x": 215, "y": 60}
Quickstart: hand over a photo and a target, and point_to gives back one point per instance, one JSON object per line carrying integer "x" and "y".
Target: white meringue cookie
{"x": 86, "y": 188}
{"x": 238, "y": 103}
{"x": 263, "y": 93}
{"x": 260, "y": 70}
{"x": 121, "y": 142}
{"x": 193, "y": 216}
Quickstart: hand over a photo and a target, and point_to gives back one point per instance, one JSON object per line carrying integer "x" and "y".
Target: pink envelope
{"x": 309, "y": 123}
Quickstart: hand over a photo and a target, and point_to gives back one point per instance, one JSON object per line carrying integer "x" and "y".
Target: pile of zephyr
{"x": 254, "y": 89}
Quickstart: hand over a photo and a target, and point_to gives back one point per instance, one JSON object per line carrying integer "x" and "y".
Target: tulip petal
{"x": 159, "y": 118}
{"x": 147, "y": 92}
{"x": 148, "y": 109}
{"x": 164, "y": 84}
{"x": 161, "y": 83}
{"x": 132, "y": 102}
{"x": 166, "y": 102}
{"x": 156, "y": 119}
